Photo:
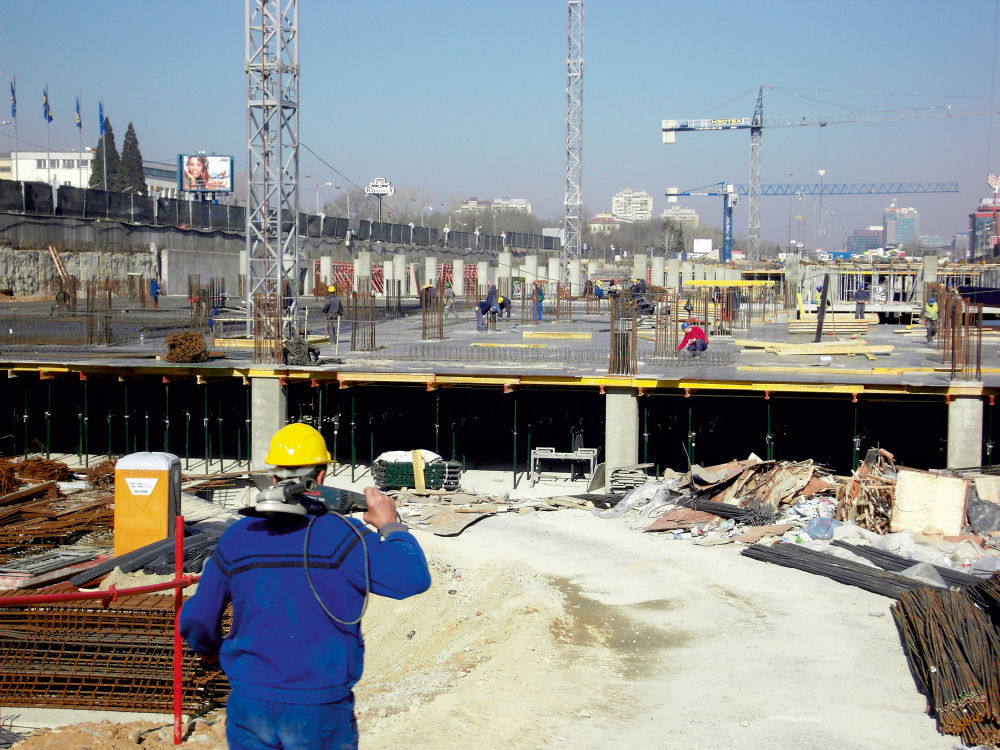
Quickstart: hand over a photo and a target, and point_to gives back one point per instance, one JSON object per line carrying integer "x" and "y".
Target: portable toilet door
{"x": 147, "y": 499}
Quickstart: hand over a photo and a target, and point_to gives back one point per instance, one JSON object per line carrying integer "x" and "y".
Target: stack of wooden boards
{"x": 833, "y": 323}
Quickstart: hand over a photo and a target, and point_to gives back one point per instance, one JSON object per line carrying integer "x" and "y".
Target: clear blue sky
{"x": 461, "y": 99}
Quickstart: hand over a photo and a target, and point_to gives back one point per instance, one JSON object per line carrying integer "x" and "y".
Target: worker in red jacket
{"x": 694, "y": 339}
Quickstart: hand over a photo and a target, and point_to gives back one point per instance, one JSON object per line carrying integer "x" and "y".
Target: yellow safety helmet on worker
{"x": 297, "y": 445}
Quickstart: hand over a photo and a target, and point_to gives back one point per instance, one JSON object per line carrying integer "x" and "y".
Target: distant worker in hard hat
{"x": 298, "y": 577}
{"x": 491, "y": 293}
{"x": 503, "y": 306}
{"x": 449, "y": 300}
{"x": 694, "y": 339}
{"x": 598, "y": 289}
{"x": 819, "y": 297}
{"x": 931, "y": 318}
{"x": 482, "y": 309}
{"x": 538, "y": 296}
{"x": 333, "y": 308}
{"x": 427, "y": 294}
{"x": 861, "y": 296}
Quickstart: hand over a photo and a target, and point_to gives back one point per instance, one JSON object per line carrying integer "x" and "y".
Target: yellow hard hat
{"x": 331, "y": 289}
{"x": 297, "y": 445}
{"x": 499, "y": 299}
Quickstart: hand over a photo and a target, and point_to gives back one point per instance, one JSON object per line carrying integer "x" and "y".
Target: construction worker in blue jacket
{"x": 298, "y": 578}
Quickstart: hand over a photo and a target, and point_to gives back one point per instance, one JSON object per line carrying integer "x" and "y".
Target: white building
{"x": 73, "y": 168}
{"x": 603, "y": 224}
{"x": 687, "y": 218}
{"x": 633, "y": 205}
{"x": 507, "y": 203}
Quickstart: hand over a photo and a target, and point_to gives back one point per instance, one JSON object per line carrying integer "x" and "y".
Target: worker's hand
{"x": 381, "y": 508}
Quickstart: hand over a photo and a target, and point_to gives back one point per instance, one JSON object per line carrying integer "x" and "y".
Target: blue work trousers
{"x": 253, "y": 724}
{"x": 539, "y": 312}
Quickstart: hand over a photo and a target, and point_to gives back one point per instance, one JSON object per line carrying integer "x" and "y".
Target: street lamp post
{"x": 425, "y": 208}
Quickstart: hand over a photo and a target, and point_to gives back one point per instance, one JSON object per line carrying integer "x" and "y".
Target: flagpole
{"x": 48, "y": 142}
{"x": 13, "y": 116}
{"x": 79, "y": 135}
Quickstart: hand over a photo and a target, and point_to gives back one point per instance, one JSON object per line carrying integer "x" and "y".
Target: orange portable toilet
{"x": 147, "y": 499}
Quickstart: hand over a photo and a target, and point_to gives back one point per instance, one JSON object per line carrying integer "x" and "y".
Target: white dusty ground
{"x": 658, "y": 644}
{"x": 563, "y": 630}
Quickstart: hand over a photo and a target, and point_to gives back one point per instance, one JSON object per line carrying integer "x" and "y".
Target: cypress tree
{"x": 130, "y": 176}
{"x": 97, "y": 165}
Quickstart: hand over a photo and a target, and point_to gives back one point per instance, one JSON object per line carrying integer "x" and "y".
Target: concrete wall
{"x": 177, "y": 265}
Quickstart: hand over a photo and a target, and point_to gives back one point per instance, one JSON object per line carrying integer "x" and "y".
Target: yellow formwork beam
{"x": 509, "y": 346}
{"x": 731, "y": 282}
{"x": 556, "y": 335}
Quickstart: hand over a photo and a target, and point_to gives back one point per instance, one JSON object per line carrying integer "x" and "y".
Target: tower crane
{"x": 757, "y": 123}
{"x": 731, "y": 193}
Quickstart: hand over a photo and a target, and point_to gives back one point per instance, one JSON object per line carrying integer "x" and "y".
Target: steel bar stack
{"x": 622, "y": 359}
{"x": 362, "y": 315}
{"x": 431, "y": 317}
{"x": 267, "y": 345}
{"x": 953, "y": 651}
{"x": 86, "y": 655}
{"x": 393, "y": 298}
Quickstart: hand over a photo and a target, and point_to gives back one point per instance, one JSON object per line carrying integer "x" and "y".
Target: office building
{"x": 632, "y": 205}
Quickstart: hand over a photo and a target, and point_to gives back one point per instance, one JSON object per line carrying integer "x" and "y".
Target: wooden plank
{"x": 418, "y": 471}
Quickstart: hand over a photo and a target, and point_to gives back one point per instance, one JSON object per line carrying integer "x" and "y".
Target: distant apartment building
{"x": 603, "y": 224}
{"x": 960, "y": 246}
{"x": 478, "y": 205}
{"x": 632, "y": 205}
{"x": 863, "y": 240}
{"x": 983, "y": 234}
{"x": 687, "y": 218}
{"x": 900, "y": 226}
{"x": 73, "y": 168}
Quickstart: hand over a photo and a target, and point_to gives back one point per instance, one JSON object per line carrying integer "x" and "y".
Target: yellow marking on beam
{"x": 386, "y": 377}
{"x": 475, "y": 380}
{"x": 234, "y": 343}
{"x": 965, "y": 390}
{"x": 730, "y": 282}
{"x": 509, "y": 346}
{"x": 555, "y": 335}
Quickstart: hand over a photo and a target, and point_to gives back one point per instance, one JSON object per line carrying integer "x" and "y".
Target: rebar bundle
{"x": 953, "y": 651}
{"x": 431, "y": 315}
{"x": 393, "y": 298}
{"x": 845, "y": 571}
{"x": 896, "y": 563}
{"x": 267, "y": 345}
{"x": 87, "y": 655}
{"x": 622, "y": 358}
{"x": 361, "y": 313}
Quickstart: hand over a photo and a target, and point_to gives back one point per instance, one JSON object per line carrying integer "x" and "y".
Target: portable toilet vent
{"x": 147, "y": 499}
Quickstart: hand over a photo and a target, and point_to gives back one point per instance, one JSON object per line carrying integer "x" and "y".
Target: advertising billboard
{"x": 205, "y": 173}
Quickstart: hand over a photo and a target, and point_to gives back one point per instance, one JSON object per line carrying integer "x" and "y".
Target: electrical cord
{"x": 305, "y": 565}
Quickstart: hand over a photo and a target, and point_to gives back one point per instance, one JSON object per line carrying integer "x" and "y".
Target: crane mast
{"x": 572, "y": 245}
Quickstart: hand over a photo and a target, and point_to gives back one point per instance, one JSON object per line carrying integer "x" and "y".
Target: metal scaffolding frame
{"x": 573, "y": 202}
{"x": 272, "y": 116}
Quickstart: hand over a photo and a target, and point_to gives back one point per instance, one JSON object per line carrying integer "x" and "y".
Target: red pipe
{"x": 178, "y": 645}
{"x": 111, "y": 594}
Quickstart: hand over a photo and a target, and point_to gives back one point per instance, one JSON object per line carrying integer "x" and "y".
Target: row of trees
{"x": 124, "y": 172}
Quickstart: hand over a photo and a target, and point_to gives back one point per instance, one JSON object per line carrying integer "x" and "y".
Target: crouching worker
{"x": 694, "y": 339}
{"x": 298, "y": 578}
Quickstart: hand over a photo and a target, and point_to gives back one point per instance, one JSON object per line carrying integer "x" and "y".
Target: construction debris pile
{"x": 186, "y": 346}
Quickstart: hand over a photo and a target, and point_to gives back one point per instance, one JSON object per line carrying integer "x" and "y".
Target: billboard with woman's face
{"x": 205, "y": 173}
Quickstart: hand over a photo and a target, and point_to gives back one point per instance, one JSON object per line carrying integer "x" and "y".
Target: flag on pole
{"x": 13, "y": 101}
{"x": 100, "y": 113}
{"x": 79, "y": 122}
{"x": 46, "y": 109}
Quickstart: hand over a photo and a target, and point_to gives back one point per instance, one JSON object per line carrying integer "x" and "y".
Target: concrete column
{"x": 929, "y": 276}
{"x": 554, "y": 274}
{"x": 458, "y": 276}
{"x": 362, "y": 267}
{"x": 673, "y": 273}
{"x": 505, "y": 267}
{"x": 483, "y": 272}
{"x": 701, "y": 271}
{"x": 621, "y": 429}
{"x": 388, "y": 275}
{"x": 639, "y": 261}
{"x": 430, "y": 270}
{"x": 687, "y": 272}
{"x": 399, "y": 271}
{"x": 326, "y": 269}
{"x": 965, "y": 427}
{"x": 529, "y": 268}
{"x": 268, "y": 404}
{"x": 575, "y": 278}
{"x": 659, "y": 266}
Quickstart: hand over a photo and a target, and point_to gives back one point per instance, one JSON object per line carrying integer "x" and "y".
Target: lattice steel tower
{"x": 573, "y": 201}
{"x": 756, "y": 130}
{"x": 272, "y": 67}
